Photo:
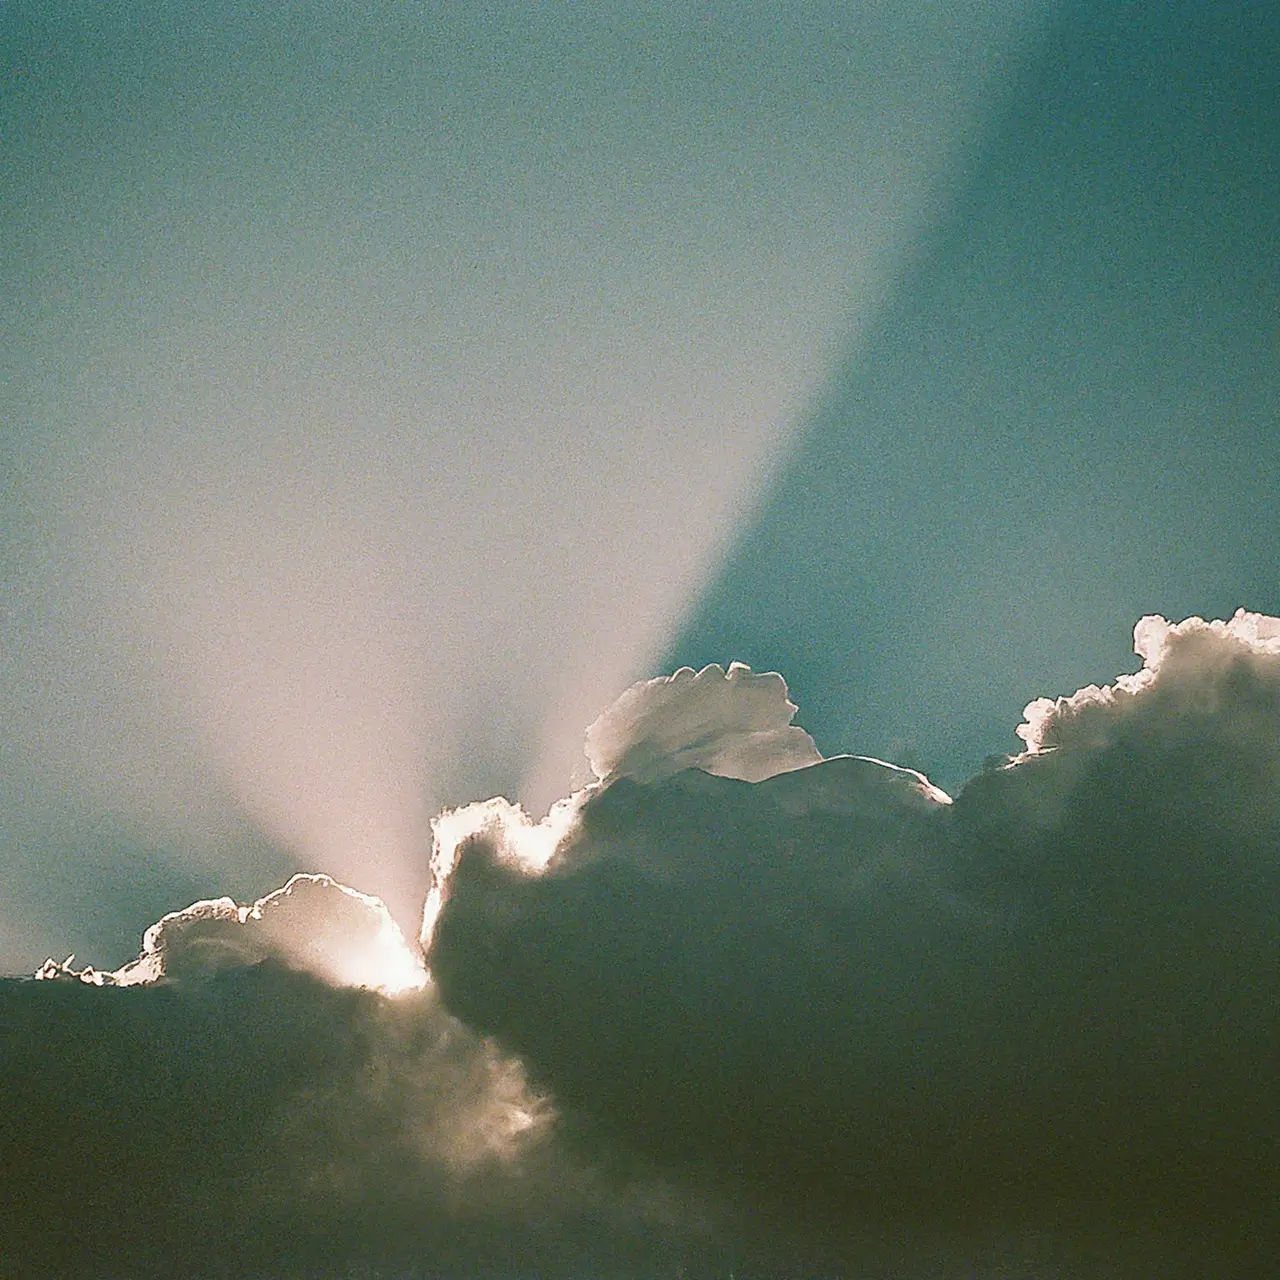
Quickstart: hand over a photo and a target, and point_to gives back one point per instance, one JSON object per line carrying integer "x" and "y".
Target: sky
{"x": 393, "y": 395}
{"x": 1063, "y": 417}
{"x": 383, "y": 383}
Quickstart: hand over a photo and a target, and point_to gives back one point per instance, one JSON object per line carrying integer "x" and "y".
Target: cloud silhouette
{"x": 242, "y": 1101}
{"x": 1044, "y": 1013}
{"x": 822, "y": 1023}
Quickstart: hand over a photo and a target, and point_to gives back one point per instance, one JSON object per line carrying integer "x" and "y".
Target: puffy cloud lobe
{"x": 732, "y": 724}
{"x": 735, "y": 723}
{"x": 1195, "y": 667}
{"x": 312, "y": 924}
{"x": 1042, "y": 1014}
{"x": 1207, "y": 690}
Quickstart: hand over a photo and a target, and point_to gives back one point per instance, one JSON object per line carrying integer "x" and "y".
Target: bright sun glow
{"x": 313, "y": 924}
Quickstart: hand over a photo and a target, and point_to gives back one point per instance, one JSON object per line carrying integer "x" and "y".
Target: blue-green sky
{"x": 1067, "y": 414}
{"x": 382, "y": 382}
{"x": 385, "y": 387}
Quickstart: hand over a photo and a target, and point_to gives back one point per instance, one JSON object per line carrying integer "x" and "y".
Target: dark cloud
{"x": 825, "y": 1023}
{"x": 1039, "y": 1018}
{"x": 219, "y": 1109}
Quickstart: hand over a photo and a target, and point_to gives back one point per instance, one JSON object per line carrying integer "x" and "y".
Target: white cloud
{"x": 1185, "y": 666}
{"x": 313, "y": 924}
{"x": 734, "y": 723}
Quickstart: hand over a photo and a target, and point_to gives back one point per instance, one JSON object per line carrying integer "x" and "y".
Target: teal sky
{"x": 1065, "y": 416}
{"x": 382, "y": 383}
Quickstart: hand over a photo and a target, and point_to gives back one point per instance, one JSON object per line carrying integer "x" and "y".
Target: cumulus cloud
{"x": 273, "y": 1090}
{"x": 731, "y": 1007}
{"x": 735, "y": 724}
{"x": 313, "y": 924}
{"x": 1042, "y": 1014}
{"x": 1194, "y": 673}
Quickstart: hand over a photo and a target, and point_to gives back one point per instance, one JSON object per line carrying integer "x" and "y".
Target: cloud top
{"x": 1192, "y": 664}
{"x": 312, "y": 924}
{"x": 816, "y": 1020}
{"x": 734, "y": 723}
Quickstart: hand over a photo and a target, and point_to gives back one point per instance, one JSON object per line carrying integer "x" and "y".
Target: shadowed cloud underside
{"x": 828, "y": 1021}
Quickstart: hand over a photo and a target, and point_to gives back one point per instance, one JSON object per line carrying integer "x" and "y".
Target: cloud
{"x": 1039, "y": 1018}
{"x": 243, "y": 1101}
{"x": 826, "y": 1022}
{"x": 312, "y": 924}
{"x": 1188, "y": 663}
{"x": 735, "y": 724}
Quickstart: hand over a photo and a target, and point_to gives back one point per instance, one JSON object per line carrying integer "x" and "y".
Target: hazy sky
{"x": 382, "y": 382}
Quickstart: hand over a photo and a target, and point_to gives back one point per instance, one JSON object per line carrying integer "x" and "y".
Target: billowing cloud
{"x": 1039, "y": 1018}
{"x": 245, "y": 1100}
{"x": 313, "y": 924}
{"x": 1222, "y": 673}
{"x": 735, "y": 724}
{"x": 826, "y": 1022}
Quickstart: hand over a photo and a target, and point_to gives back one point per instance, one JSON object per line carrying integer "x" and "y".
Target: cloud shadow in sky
{"x": 1066, "y": 414}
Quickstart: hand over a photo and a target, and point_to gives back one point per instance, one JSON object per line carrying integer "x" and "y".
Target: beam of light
{"x": 384, "y": 398}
